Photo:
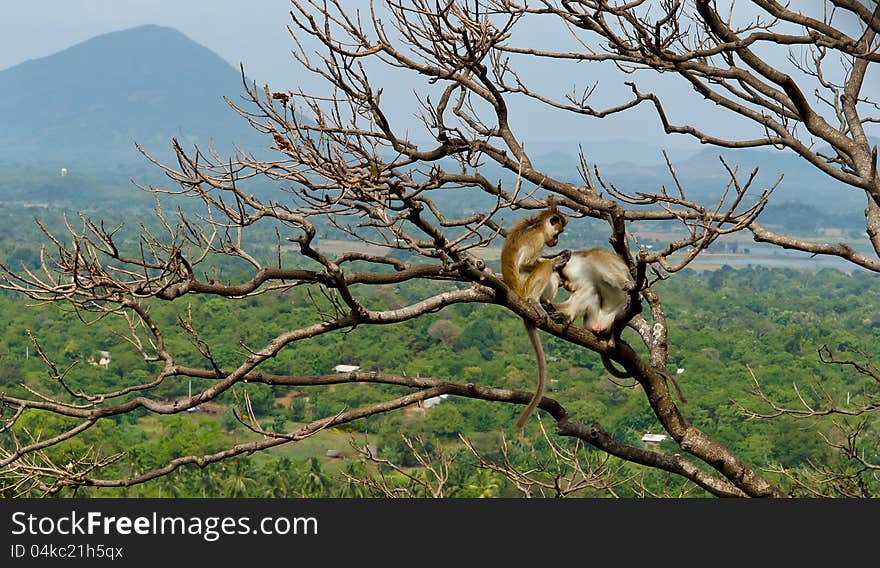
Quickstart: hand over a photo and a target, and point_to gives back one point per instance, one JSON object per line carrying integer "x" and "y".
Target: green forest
{"x": 724, "y": 323}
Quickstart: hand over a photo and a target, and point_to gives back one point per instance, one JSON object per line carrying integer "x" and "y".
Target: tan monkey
{"x": 534, "y": 277}
{"x": 599, "y": 282}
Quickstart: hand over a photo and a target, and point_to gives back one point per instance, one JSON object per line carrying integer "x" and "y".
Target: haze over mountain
{"x": 89, "y": 104}
{"x": 84, "y": 108}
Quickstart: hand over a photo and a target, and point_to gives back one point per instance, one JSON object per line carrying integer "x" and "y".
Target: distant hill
{"x": 89, "y": 104}
{"x": 85, "y": 107}
{"x": 704, "y": 177}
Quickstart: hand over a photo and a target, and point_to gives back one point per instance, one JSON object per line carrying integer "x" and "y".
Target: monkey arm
{"x": 560, "y": 258}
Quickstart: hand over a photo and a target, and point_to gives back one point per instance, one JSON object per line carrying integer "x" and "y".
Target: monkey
{"x": 599, "y": 282}
{"x": 534, "y": 277}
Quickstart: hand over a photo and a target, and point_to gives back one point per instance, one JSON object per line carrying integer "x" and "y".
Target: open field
{"x": 317, "y": 445}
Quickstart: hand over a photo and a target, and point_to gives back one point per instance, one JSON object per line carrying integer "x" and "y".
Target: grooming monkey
{"x": 534, "y": 277}
{"x": 599, "y": 282}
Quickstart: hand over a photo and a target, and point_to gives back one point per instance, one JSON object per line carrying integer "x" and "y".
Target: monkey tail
{"x": 609, "y": 366}
{"x": 539, "y": 392}
{"x": 671, "y": 379}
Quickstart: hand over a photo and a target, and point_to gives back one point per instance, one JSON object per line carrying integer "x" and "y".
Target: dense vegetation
{"x": 771, "y": 320}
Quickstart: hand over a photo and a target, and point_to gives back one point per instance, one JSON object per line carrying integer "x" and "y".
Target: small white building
{"x": 430, "y": 402}
{"x": 103, "y": 359}
{"x": 346, "y": 368}
{"x": 649, "y": 438}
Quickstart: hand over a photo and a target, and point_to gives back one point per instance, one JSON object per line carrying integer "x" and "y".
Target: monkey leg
{"x": 553, "y": 313}
{"x": 538, "y": 279}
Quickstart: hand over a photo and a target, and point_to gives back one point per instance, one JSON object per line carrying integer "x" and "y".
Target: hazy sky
{"x": 255, "y": 34}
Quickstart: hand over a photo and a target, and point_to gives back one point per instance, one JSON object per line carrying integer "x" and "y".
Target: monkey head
{"x": 554, "y": 225}
{"x": 563, "y": 278}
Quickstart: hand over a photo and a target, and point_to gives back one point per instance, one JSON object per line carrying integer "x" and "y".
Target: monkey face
{"x": 563, "y": 279}
{"x": 556, "y": 224}
{"x": 567, "y": 274}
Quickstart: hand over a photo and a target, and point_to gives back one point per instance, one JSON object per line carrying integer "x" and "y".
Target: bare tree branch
{"x": 347, "y": 167}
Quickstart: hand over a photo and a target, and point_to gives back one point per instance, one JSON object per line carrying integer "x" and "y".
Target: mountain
{"x": 85, "y": 107}
{"x": 704, "y": 177}
{"x": 612, "y": 150}
{"x": 89, "y": 104}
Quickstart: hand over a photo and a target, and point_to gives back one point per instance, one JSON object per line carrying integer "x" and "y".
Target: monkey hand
{"x": 561, "y": 258}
